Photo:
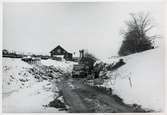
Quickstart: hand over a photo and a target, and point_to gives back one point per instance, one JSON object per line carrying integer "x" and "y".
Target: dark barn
{"x": 59, "y": 51}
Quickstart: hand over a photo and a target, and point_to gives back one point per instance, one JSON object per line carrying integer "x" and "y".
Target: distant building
{"x": 4, "y": 51}
{"x": 59, "y": 53}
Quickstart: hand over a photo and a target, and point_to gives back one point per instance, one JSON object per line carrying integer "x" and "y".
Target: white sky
{"x": 40, "y": 27}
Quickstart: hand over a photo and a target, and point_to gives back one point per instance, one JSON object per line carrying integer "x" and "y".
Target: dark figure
{"x": 119, "y": 64}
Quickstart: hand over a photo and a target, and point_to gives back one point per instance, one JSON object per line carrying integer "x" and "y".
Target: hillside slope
{"x": 140, "y": 80}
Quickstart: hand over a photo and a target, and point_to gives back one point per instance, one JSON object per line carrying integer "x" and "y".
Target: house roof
{"x": 58, "y": 48}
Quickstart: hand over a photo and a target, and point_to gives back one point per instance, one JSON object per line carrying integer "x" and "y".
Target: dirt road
{"x": 85, "y": 99}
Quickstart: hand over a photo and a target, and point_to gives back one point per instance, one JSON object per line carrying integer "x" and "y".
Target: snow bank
{"x": 66, "y": 66}
{"x": 140, "y": 80}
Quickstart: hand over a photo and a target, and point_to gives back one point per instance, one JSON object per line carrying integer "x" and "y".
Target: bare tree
{"x": 135, "y": 36}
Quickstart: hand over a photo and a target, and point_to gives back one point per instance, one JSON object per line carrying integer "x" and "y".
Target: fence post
{"x": 130, "y": 82}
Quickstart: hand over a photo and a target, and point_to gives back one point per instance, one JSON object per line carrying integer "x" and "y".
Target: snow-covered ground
{"x": 22, "y": 92}
{"x": 66, "y": 66}
{"x": 140, "y": 80}
{"x": 15, "y": 75}
{"x": 31, "y": 99}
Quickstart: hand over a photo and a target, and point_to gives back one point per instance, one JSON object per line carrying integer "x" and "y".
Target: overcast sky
{"x": 40, "y": 27}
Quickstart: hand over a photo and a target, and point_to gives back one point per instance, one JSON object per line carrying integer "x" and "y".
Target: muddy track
{"x": 84, "y": 99}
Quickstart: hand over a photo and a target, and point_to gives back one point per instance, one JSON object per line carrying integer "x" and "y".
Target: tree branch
{"x": 149, "y": 28}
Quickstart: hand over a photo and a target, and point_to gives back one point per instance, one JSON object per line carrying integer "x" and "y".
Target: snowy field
{"x": 22, "y": 92}
{"x": 140, "y": 80}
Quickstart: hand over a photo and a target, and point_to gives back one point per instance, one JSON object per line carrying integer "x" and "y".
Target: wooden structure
{"x": 59, "y": 51}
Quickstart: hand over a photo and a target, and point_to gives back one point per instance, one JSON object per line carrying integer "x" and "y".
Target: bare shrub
{"x": 135, "y": 36}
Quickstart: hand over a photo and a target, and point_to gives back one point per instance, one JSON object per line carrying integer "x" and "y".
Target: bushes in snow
{"x": 135, "y": 37}
{"x": 101, "y": 69}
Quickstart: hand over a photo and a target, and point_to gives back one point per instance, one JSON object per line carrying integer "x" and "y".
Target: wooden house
{"x": 59, "y": 52}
